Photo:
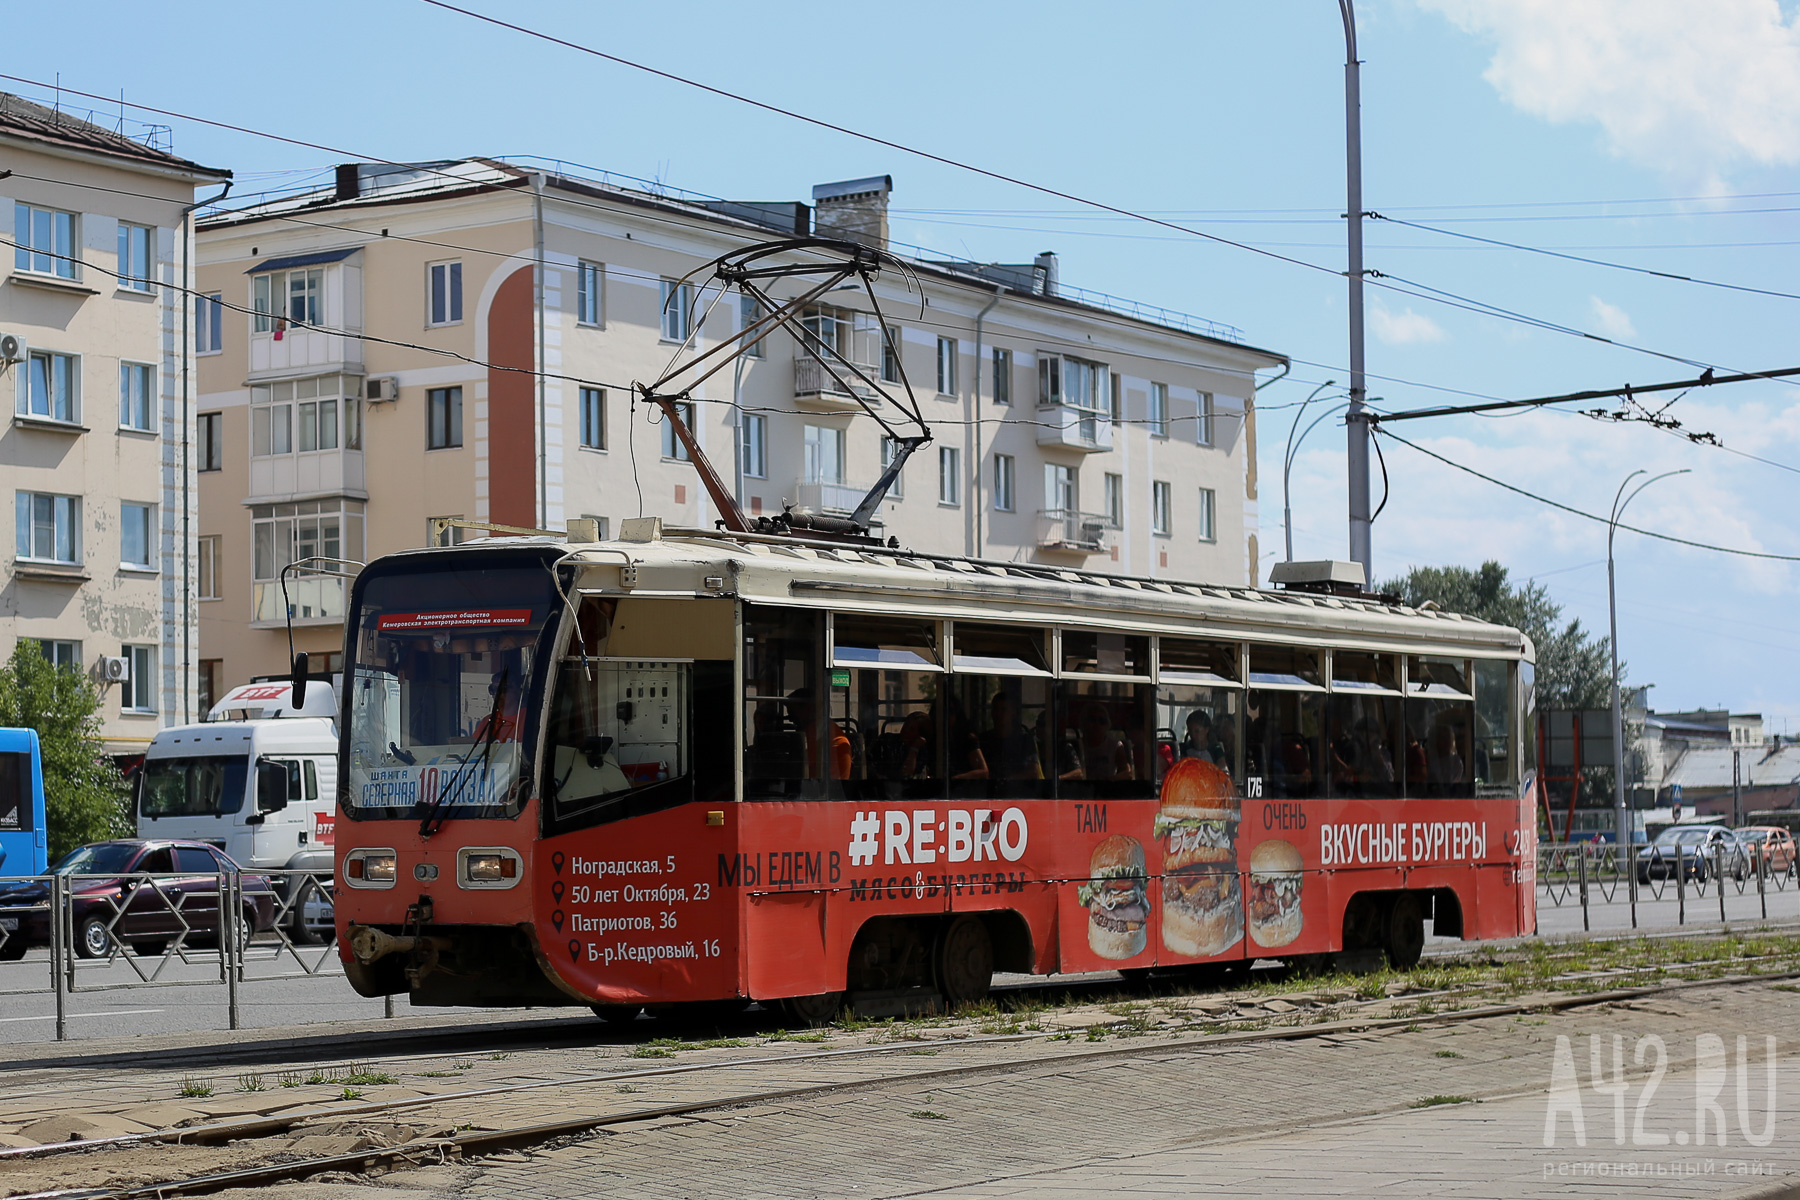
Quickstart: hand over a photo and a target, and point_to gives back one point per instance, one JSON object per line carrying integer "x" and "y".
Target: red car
{"x": 137, "y": 891}
{"x": 1771, "y": 843}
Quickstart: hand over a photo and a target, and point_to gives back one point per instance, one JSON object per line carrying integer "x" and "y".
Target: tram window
{"x": 1197, "y": 662}
{"x": 859, "y": 641}
{"x": 1438, "y": 758}
{"x": 785, "y": 732}
{"x": 1087, "y": 652}
{"x": 1283, "y": 666}
{"x": 1493, "y": 723}
{"x": 999, "y": 737}
{"x": 1000, "y": 650}
{"x": 1353, "y": 670}
{"x": 1363, "y": 744}
{"x": 1103, "y": 749}
{"x": 890, "y": 721}
{"x": 1282, "y": 741}
{"x": 617, "y": 727}
{"x": 1438, "y": 677}
{"x": 1528, "y": 733}
{"x": 1200, "y": 722}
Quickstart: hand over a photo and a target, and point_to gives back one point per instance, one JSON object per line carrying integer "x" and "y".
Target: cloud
{"x": 1404, "y": 329}
{"x": 1688, "y": 88}
{"x": 1614, "y": 322}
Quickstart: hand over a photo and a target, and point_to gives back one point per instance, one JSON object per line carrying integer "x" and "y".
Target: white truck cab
{"x": 257, "y": 778}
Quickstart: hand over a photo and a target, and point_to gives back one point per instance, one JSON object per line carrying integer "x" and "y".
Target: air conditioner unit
{"x": 12, "y": 348}
{"x": 382, "y": 387}
{"x": 113, "y": 670}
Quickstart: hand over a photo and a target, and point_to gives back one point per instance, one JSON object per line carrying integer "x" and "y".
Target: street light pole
{"x": 1287, "y": 463}
{"x": 1621, "y": 818}
{"x": 1356, "y": 421}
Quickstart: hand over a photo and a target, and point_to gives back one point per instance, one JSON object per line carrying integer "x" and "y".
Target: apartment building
{"x": 98, "y": 460}
{"x": 390, "y": 355}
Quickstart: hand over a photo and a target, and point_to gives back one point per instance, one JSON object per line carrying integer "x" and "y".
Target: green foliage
{"x": 1573, "y": 670}
{"x": 84, "y": 795}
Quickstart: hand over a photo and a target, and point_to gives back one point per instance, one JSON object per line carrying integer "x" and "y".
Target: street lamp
{"x": 1621, "y": 819}
{"x": 1287, "y": 460}
{"x": 1356, "y": 423}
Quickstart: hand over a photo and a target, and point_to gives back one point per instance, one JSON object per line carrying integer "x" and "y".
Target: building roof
{"x": 1706, "y": 767}
{"x": 25, "y": 120}
{"x": 316, "y": 258}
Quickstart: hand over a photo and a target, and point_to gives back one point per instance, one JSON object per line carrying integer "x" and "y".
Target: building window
{"x": 209, "y": 441}
{"x": 135, "y": 243}
{"x": 316, "y": 423}
{"x": 137, "y": 523}
{"x": 890, "y": 355}
{"x": 889, "y": 448}
{"x": 949, "y": 475}
{"x": 593, "y": 418}
{"x": 1005, "y": 470}
{"x": 288, "y": 533}
{"x": 138, "y": 693}
{"x": 1115, "y": 500}
{"x": 44, "y": 241}
{"x": 52, "y": 387}
{"x": 753, "y": 430}
{"x": 445, "y": 299}
{"x": 1159, "y": 410}
{"x": 206, "y": 575}
{"x": 49, "y": 527}
{"x": 1159, "y": 508}
{"x": 750, "y": 311}
{"x": 319, "y": 413}
{"x": 1209, "y": 510}
{"x": 209, "y": 318}
{"x": 1061, "y": 494}
{"x": 281, "y": 298}
{"x": 946, "y": 367}
{"x": 443, "y": 418}
{"x": 672, "y": 446}
{"x": 1002, "y": 376}
{"x": 137, "y": 396}
{"x": 211, "y": 681}
{"x": 824, "y": 449}
{"x": 589, "y": 277}
{"x": 64, "y": 656}
{"x": 677, "y": 299}
{"x": 1075, "y": 382}
{"x": 1203, "y": 421}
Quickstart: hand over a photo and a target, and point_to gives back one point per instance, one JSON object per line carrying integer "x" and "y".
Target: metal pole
{"x": 1719, "y": 878}
{"x": 1762, "y": 875}
{"x": 229, "y": 883}
{"x": 1737, "y": 788}
{"x": 387, "y": 1003}
{"x": 1680, "y": 884}
{"x": 1581, "y": 866}
{"x": 59, "y": 901}
{"x": 1356, "y": 421}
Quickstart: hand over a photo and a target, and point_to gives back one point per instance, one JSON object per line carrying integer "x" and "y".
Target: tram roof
{"x": 873, "y": 579}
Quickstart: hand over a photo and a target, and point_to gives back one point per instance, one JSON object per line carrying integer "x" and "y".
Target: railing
{"x": 1066, "y": 529}
{"x": 114, "y": 932}
{"x": 1590, "y": 874}
{"x": 812, "y": 379}
{"x": 829, "y": 496}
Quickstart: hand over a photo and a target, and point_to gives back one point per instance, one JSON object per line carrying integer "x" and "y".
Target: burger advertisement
{"x": 1202, "y": 909}
{"x": 1117, "y": 897}
{"x": 1276, "y": 877}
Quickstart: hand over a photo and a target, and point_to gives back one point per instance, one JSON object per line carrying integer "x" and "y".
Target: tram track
{"x": 464, "y": 1143}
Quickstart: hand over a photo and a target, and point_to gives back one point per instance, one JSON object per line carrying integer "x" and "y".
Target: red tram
{"x": 705, "y": 766}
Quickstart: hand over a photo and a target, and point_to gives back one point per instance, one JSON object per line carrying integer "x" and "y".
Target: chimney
{"x": 349, "y": 181}
{"x": 1045, "y": 266}
{"x": 854, "y": 210}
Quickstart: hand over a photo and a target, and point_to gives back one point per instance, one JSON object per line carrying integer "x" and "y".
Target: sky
{"x": 1657, "y": 135}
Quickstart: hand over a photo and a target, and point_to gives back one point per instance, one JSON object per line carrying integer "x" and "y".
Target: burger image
{"x": 1117, "y": 898}
{"x": 1203, "y": 910}
{"x": 1275, "y": 879}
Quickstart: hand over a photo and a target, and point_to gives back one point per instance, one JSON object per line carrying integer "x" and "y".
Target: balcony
{"x": 840, "y": 499}
{"x": 307, "y": 473}
{"x": 1065, "y": 531}
{"x": 816, "y": 391}
{"x": 1071, "y": 428}
{"x": 316, "y": 600}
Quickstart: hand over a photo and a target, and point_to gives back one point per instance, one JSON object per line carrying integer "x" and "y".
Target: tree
{"x": 1573, "y": 670}
{"x": 84, "y": 795}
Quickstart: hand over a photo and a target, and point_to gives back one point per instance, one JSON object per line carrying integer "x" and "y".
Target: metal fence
{"x": 253, "y": 927}
{"x": 1590, "y": 874}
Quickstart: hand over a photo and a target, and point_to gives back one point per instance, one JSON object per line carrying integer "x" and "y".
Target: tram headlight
{"x": 371, "y": 868}
{"x": 488, "y": 867}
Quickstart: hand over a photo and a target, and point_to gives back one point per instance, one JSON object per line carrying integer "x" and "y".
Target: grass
{"x": 290, "y": 1079}
{"x": 499, "y": 1056}
{"x": 625, "y": 1089}
{"x": 653, "y": 1051}
{"x": 788, "y": 1035}
{"x": 197, "y": 1089}
{"x": 350, "y": 1094}
{"x": 925, "y": 1114}
{"x": 250, "y": 1083}
{"x": 437, "y": 1074}
{"x": 1448, "y": 1054}
{"x": 366, "y": 1077}
{"x": 1434, "y": 1101}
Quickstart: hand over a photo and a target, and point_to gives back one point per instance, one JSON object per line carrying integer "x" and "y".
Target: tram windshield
{"x": 443, "y": 686}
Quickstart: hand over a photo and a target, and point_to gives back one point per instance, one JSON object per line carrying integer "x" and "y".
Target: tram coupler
{"x": 370, "y": 944}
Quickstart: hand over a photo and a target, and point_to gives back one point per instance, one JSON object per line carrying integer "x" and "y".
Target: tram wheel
{"x": 617, "y": 1014}
{"x": 1404, "y": 937}
{"x": 965, "y": 962}
{"x": 812, "y": 1010}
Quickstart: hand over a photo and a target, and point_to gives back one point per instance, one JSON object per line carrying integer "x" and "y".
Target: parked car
{"x": 1771, "y": 844}
{"x": 1699, "y": 848}
{"x": 139, "y": 891}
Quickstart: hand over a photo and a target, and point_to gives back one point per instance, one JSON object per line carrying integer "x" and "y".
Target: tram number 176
{"x": 1253, "y": 788}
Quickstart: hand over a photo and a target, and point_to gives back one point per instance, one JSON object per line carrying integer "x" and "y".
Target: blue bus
{"x": 23, "y": 850}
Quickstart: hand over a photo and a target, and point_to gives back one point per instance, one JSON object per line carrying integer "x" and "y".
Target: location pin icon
{"x": 574, "y": 950}
{"x": 556, "y": 861}
{"x": 556, "y": 919}
{"x": 556, "y": 891}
